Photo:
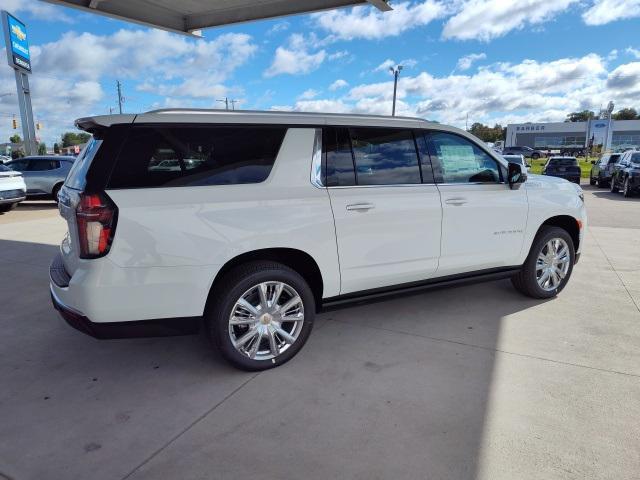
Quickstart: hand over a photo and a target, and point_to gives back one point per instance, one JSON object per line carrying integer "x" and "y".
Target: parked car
{"x": 563, "y": 167}
{"x": 526, "y": 152}
{"x": 12, "y": 188}
{"x": 626, "y": 173}
{"x": 519, "y": 159}
{"x": 573, "y": 152}
{"x": 602, "y": 168}
{"x": 288, "y": 214}
{"x": 44, "y": 175}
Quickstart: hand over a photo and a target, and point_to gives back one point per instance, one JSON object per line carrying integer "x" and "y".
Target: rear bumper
{"x": 12, "y": 196}
{"x": 161, "y": 327}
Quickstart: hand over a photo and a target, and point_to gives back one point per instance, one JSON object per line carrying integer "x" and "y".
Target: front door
{"x": 483, "y": 220}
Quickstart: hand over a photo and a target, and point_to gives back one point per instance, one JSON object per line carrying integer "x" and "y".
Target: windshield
{"x": 635, "y": 158}
{"x": 77, "y": 176}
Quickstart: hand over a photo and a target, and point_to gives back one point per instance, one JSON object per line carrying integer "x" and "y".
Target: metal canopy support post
{"x": 26, "y": 114}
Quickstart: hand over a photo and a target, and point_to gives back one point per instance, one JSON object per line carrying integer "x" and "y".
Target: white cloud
{"x": 633, "y": 52}
{"x": 338, "y": 84}
{"x": 503, "y": 92}
{"x": 279, "y": 27}
{"x": 338, "y": 55}
{"x": 370, "y": 23}
{"x": 308, "y": 94}
{"x": 388, "y": 63}
{"x": 625, "y": 77}
{"x": 606, "y": 11}
{"x": 465, "y": 63}
{"x": 384, "y": 66}
{"x": 39, "y": 10}
{"x": 69, "y": 82}
{"x": 488, "y": 19}
{"x": 295, "y": 58}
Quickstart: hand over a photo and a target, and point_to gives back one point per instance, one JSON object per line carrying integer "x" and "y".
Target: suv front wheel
{"x": 261, "y": 315}
{"x": 548, "y": 267}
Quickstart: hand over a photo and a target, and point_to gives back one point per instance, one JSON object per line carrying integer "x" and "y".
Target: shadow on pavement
{"x": 385, "y": 390}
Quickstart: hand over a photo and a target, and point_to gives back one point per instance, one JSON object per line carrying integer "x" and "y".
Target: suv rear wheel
{"x": 548, "y": 267}
{"x": 261, "y": 316}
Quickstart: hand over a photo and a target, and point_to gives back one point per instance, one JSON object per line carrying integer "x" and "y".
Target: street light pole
{"x": 396, "y": 71}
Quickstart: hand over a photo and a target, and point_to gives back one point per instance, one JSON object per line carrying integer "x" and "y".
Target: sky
{"x": 491, "y": 61}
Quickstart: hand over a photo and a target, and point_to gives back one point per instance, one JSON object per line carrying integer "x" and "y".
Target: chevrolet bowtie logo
{"x": 18, "y": 32}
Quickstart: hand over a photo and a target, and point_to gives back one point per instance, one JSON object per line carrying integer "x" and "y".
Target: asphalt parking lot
{"x": 468, "y": 382}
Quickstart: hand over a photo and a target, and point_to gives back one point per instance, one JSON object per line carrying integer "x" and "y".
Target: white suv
{"x": 249, "y": 223}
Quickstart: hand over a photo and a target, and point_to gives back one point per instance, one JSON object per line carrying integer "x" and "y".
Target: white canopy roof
{"x": 190, "y": 16}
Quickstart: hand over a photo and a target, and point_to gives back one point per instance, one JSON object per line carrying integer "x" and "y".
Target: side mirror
{"x": 516, "y": 175}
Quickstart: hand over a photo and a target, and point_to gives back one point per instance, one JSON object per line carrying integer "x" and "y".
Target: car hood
{"x": 544, "y": 182}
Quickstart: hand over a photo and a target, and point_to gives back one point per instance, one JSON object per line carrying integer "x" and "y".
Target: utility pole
{"x": 226, "y": 102}
{"x": 118, "y": 84}
{"x": 396, "y": 71}
{"x": 233, "y": 104}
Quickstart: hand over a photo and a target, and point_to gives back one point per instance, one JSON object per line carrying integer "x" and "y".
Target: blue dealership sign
{"x": 17, "y": 42}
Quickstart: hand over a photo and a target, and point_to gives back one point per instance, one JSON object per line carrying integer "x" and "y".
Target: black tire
{"x": 626, "y": 190}
{"x": 7, "y": 207}
{"x": 592, "y": 181}
{"x": 612, "y": 185}
{"x": 232, "y": 287}
{"x": 525, "y": 281}
{"x": 55, "y": 191}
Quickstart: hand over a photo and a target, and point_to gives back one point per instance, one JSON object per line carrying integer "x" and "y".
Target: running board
{"x": 378, "y": 294}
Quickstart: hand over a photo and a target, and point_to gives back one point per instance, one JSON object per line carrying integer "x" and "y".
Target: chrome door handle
{"x": 456, "y": 201}
{"x": 360, "y": 206}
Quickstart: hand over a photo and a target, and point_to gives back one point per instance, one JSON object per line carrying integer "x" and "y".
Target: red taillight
{"x": 96, "y": 218}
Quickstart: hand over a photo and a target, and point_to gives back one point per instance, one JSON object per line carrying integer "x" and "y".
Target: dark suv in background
{"x": 526, "y": 152}
{"x": 626, "y": 173}
{"x": 563, "y": 167}
{"x": 602, "y": 169}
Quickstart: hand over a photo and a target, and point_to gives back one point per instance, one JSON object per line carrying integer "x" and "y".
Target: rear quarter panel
{"x": 208, "y": 226}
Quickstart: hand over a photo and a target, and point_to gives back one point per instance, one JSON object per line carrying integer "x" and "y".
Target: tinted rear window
{"x": 385, "y": 156}
{"x": 563, "y": 162}
{"x": 635, "y": 158}
{"x": 158, "y": 156}
{"x": 77, "y": 177}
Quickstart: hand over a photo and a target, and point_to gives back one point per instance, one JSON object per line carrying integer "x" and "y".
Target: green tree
{"x": 625, "y": 114}
{"x": 582, "y": 116}
{"x": 56, "y": 148}
{"x": 15, "y": 138}
{"x": 42, "y": 149}
{"x": 71, "y": 138}
{"x": 486, "y": 133}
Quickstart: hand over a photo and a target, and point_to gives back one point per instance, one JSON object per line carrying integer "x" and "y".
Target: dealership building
{"x": 616, "y": 135}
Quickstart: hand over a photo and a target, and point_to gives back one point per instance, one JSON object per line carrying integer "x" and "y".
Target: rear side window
{"x": 614, "y": 159}
{"x": 384, "y": 156}
{"x": 338, "y": 159}
{"x": 159, "y": 156}
{"x": 374, "y": 156}
{"x": 43, "y": 164}
{"x": 78, "y": 173}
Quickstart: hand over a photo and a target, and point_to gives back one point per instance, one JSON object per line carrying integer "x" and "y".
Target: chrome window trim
{"x": 316, "y": 160}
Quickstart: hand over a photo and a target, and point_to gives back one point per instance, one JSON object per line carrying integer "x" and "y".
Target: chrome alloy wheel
{"x": 553, "y": 264}
{"x": 266, "y": 320}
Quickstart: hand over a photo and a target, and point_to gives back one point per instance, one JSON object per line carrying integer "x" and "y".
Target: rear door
{"x": 483, "y": 220}
{"x": 386, "y": 208}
